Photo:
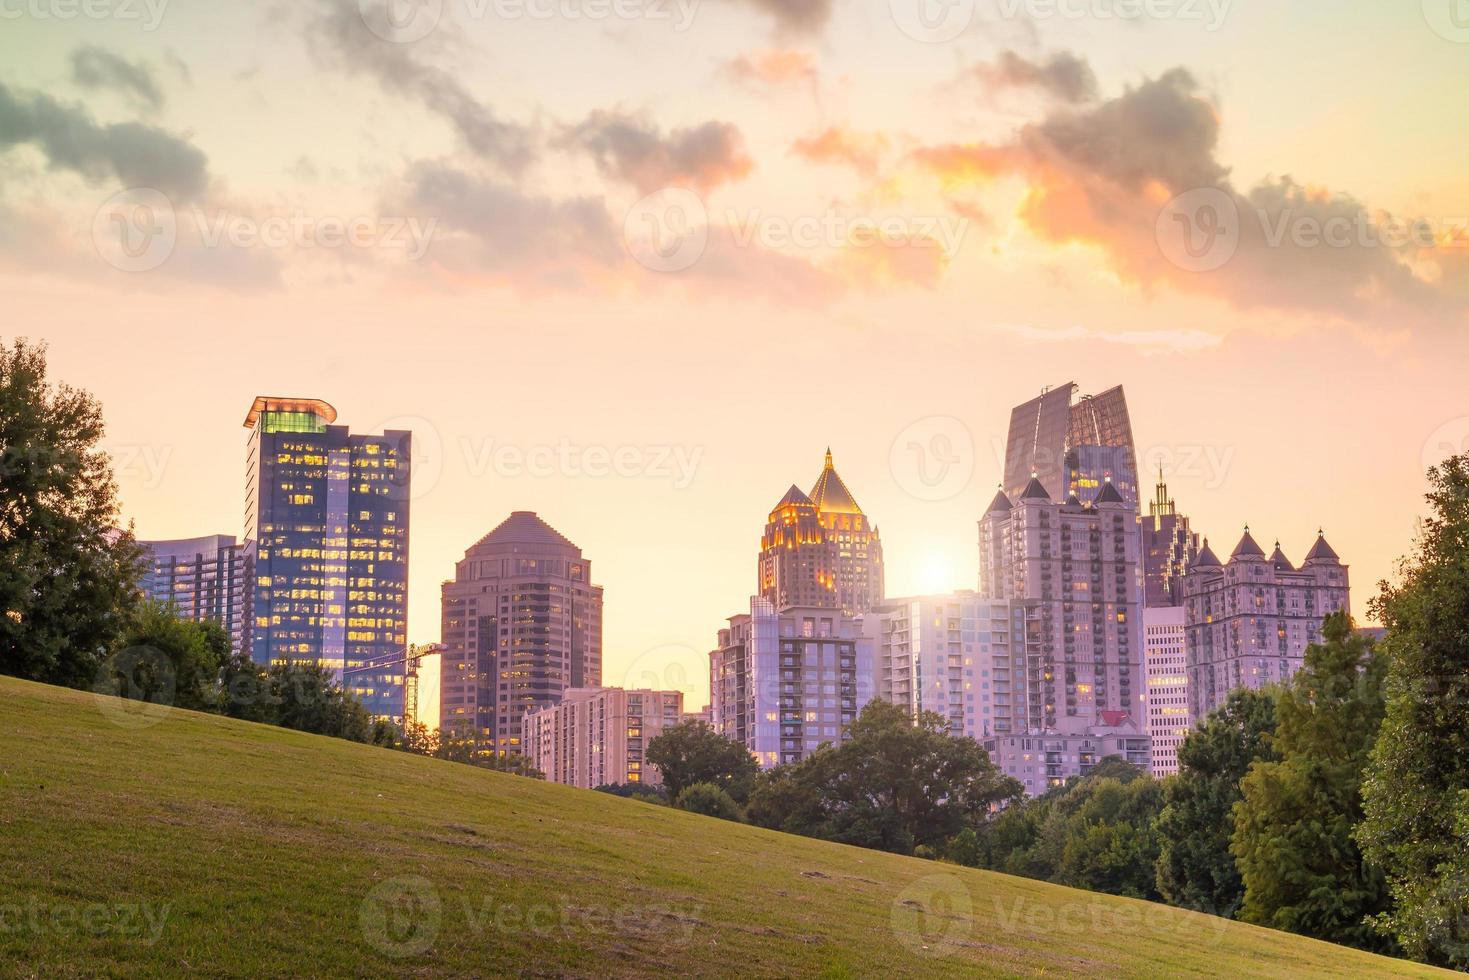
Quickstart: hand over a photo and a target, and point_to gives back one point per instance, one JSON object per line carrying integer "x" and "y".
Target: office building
{"x": 1169, "y": 718}
{"x": 522, "y": 624}
{"x": 206, "y": 579}
{"x": 597, "y": 736}
{"x": 326, "y": 524}
{"x": 820, "y": 550}
{"x": 1169, "y": 547}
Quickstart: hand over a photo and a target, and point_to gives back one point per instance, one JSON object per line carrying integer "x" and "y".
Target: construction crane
{"x": 410, "y": 660}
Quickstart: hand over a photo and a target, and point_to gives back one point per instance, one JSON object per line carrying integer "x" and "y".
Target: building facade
{"x": 1248, "y": 622}
{"x": 949, "y": 654}
{"x": 820, "y": 550}
{"x": 1071, "y": 574}
{"x": 522, "y": 624}
{"x": 1169, "y": 717}
{"x": 1169, "y": 547}
{"x": 206, "y": 579}
{"x": 784, "y": 682}
{"x": 326, "y": 525}
{"x": 597, "y": 736}
{"x": 1073, "y": 444}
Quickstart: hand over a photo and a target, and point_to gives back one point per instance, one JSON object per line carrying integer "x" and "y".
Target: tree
{"x": 693, "y": 752}
{"x": 307, "y": 697}
{"x": 244, "y": 689}
{"x": 1195, "y": 868}
{"x": 710, "y": 800}
{"x": 1416, "y": 789}
{"x": 782, "y": 800}
{"x": 68, "y": 576}
{"x": 1293, "y": 828}
{"x": 192, "y": 653}
{"x": 897, "y": 782}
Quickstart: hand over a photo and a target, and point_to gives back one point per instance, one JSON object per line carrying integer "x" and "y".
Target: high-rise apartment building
{"x": 949, "y": 654}
{"x": 1070, "y": 572}
{"x": 522, "y": 624}
{"x": 597, "y": 736}
{"x": 1169, "y": 718}
{"x": 326, "y": 524}
{"x": 820, "y": 550}
{"x": 1072, "y": 443}
{"x": 1168, "y": 549}
{"x": 783, "y": 682}
{"x": 1248, "y": 621}
{"x": 209, "y": 578}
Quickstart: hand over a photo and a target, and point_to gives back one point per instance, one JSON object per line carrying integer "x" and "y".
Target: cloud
{"x": 136, "y": 154}
{"x": 1062, "y": 76}
{"x": 795, "y": 16}
{"x": 1102, "y": 175}
{"x": 774, "y": 68}
{"x": 839, "y": 144}
{"x": 340, "y": 38}
{"x": 635, "y": 152}
{"x": 97, "y": 68}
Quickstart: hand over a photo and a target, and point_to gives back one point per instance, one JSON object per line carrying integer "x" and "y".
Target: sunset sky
{"x": 686, "y": 245}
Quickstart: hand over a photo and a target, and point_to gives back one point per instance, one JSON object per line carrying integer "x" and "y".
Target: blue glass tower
{"x": 326, "y": 521}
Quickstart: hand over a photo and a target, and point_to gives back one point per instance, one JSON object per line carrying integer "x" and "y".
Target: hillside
{"x": 215, "y": 847}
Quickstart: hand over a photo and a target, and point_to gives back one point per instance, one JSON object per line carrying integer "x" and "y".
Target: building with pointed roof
{"x": 1169, "y": 547}
{"x": 522, "y": 624}
{"x": 1248, "y": 621}
{"x": 1068, "y": 675}
{"x": 820, "y": 550}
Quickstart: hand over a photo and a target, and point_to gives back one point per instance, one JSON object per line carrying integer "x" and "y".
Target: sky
{"x": 636, "y": 264}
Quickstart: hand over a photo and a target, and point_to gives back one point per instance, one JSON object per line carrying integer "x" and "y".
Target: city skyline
{"x": 955, "y": 569}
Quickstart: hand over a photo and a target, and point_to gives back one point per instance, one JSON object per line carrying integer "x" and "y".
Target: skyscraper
{"x": 1169, "y": 717}
{"x": 209, "y": 578}
{"x": 326, "y": 524}
{"x": 1072, "y": 443}
{"x": 1070, "y": 572}
{"x": 1248, "y": 622}
{"x": 522, "y": 623}
{"x": 1168, "y": 548}
{"x": 820, "y": 550}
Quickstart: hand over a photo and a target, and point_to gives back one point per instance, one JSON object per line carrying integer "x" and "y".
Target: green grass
{"x": 213, "y": 847}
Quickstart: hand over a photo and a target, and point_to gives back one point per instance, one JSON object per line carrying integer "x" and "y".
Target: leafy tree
{"x": 306, "y": 696}
{"x": 1416, "y": 790}
{"x": 710, "y": 800}
{"x": 897, "y": 783}
{"x": 192, "y": 653}
{"x": 244, "y": 689}
{"x": 634, "y": 791}
{"x": 1195, "y": 868}
{"x": 693, "y": 752}
{"x": 783, "y": 800}
{"x": 964, "y": 848}
{"x": 1302, "y": 869}
{"x": 68, "y": 576}
{"x": 1111, "y": 840}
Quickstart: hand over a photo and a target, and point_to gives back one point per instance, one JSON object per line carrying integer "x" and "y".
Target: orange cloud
{"x": 774, "y": 67}
{"x": 863, "y": 152}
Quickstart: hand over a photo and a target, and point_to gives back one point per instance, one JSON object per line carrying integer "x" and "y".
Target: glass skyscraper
{"x": 326, "y": 523}
{"x": 1073, "y": 444}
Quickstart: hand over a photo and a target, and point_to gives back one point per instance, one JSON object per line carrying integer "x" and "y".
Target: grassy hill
{"x": 217, "y": 847}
